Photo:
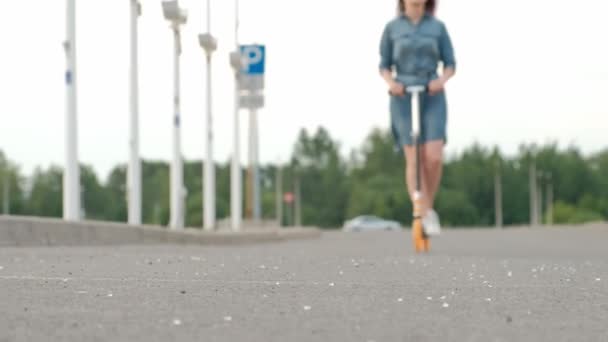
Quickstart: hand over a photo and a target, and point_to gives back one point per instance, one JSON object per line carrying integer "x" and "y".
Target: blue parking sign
{"x": 254, "y": 59}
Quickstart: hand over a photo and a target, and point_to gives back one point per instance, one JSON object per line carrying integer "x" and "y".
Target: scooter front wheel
{"x": 420, "y": 239}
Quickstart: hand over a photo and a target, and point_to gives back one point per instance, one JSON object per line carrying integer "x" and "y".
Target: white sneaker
{"x": 430, "y": 223}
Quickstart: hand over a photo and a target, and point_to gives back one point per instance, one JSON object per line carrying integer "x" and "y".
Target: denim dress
{"x": 414, "y": 51}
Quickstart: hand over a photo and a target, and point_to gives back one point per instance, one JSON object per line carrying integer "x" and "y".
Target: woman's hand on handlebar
{"x": 396, "y": 89}
{"x": 436, "y": 86}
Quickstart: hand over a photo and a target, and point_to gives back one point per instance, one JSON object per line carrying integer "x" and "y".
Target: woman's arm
{"x": 394, "y": 87}
{"x": 446, "y": 50}
{"x": 387, "y": 75}
{"x": 386, "y": 63}
{"x": 447, "y": 74}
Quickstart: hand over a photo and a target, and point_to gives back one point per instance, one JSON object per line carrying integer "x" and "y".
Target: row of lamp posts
{"x": 177, "y": 17}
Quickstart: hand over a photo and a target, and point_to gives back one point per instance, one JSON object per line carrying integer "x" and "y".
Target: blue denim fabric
{"x": 414, "y": 53}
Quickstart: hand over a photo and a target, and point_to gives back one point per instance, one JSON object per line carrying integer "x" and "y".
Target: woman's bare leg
{"x": 410, "y": 176}
{"x": 432, "y": 163}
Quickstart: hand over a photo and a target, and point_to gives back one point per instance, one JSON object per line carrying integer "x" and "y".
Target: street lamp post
{"x": 549, "y": 199}
{"x": 298, "y": 200}
{"x": 279, "y": 194}
{"x": 6, "y": 193}
{"x": 235, "y": 177}
{"x": 176, "y": 16}
{"x": 539, "y": 198}
{"x": 71, "y": 175}
{"x": 209, "y": 45}
{"x": 498, "y": 218}
{"x": 255, "y": 164}
{"x": 134, "y": 176}
{"x": 533, "y": 187}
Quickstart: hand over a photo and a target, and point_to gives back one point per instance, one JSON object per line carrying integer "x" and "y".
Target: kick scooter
{"x": 419, "y": 237}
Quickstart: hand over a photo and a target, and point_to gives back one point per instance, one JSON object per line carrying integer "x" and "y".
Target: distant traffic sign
{"x": 251, "y": 76}
{"x": 254, "y": 58}
{"x": 288, "y": 197}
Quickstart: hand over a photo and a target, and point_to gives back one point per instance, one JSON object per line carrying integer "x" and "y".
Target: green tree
{"x": 472, "y": 174}
{"x": 377, "y": 180}
{"x": 333, "y": 189}
{"x": 321, "y": 172}
{"x": 11, "y": 186}
{"x": 155, "y": 193}
{"x": 46, "y": 196}
{"x": 117, "y": 196}
{"x": 565, "y": 213}
{"x": 95, "y": 197}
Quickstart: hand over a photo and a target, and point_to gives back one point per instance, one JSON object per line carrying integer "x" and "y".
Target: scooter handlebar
{"x": 414, "y": 89}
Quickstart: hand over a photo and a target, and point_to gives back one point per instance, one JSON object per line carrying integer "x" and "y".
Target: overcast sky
{"x": 528, "y": 71}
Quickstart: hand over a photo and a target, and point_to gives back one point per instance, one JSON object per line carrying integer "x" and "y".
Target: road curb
{"x": 34, "y": 231}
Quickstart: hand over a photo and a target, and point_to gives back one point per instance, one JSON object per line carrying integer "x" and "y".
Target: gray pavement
{"x": 475, "y": 285}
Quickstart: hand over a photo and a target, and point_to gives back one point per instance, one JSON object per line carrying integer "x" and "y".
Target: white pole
{"x": 539, "y": 203}
{"x": 176, "y": 166}
{"x": 298, "y": 200}
{"x": 498, "y": 197}
{"x": 533, "y": 196}
{"x": 249, "y": 191}
{"x": 71, "y": 175}
{"x": 6, "y": 193}
{"x": 209, "y": 170}
{"x": 208, "y": 16}
{"x": 257, "y": 210}
{"x": 550, "y": 200}
{"x": 235, "y": 198}
{"x": 236, "y": 23}
{"x": 279, "y": 194}
{"x": 134, "y": 176}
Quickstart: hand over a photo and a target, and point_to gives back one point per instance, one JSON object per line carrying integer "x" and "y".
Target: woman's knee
{"x": 409, "y": 152}
{"x": 433, "y": 156}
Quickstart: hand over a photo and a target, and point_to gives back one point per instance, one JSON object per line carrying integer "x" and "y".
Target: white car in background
{"x": 370, "y": 223}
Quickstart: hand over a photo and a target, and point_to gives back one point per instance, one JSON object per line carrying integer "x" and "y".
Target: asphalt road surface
{"x": 475, "y": 285}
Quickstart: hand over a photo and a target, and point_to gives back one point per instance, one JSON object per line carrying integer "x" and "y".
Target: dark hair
{"x": 429, "y": 6}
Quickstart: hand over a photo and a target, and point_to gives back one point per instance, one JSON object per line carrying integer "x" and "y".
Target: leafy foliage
{"x": 334, "y": 189}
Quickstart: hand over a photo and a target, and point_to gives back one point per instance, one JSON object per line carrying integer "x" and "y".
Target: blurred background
{"x": 526, "y": 128}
